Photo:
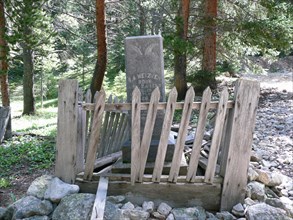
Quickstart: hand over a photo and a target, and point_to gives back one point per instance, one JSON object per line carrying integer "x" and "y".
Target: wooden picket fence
{"x": 230, "y": 145}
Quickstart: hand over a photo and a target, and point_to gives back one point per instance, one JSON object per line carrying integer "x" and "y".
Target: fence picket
{"x": 148, "y": 131}
{"x": 113, "y": 129}
{"x": 135, "y": 135}
{"x": 88, "y": 99}
{"x": 105, "y": 128}
{"x": 204, "y": 109}
{"x": 162, "y": 148}
{"x": 95, "y": 134}
{"x": 243, "y": 120}
{"x": 177, "y": 156}
{"x": 217, "y": 134}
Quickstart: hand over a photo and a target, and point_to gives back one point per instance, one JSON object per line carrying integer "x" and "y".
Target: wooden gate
{"x": 223, "y": 182}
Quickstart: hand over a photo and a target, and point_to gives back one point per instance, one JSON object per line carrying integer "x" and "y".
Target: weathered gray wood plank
{"x": 135, "y": 135}
{"x": 217, "y": 135}
{"x": 235, "y": 180}
{"x": 100, "y": 201}
{"x": 145, "y": 106}
{"x": 67, "y": 130}
{"x": 95, "y": 135}
{"x": 204, "y": 109}
{"x": 162, "y": 148}
{"x": 148, "y": 131}
{"x": 181, "y": 135}
{"x": 4, "y": 117}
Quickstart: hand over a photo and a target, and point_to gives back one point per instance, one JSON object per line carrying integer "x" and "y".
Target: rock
{"x": 128, "y": 205}
{"x": 29, "y": 206}
{"x": 287, "y": 205}
{"x": 111, "y": 211}
{"x": 58, "y": 189}
{"x": 2, "y": 213}
{"x": 76, "y": 206}
{"x": 264, "y": 211}
{"x": 148, "y": 206}
{"x": 157, "y": 215}
{"x": 189, "y": 213}
{"x": 37, "y": 218}
{"x": 254, "y": 157}
{"x": 39, "y": 186}
{"x": 164, "y": 209}
{"x": 211, "y": 216}
{"x": 256, "y": 190}
{"x": 170, "y": 217}
{"x": 238, "y": 210}
{"x": 248, "y": 201}
{"x": 134, "y": 214}
{"x": 225, "y": 215}
{"x": 270, "y": 193}
{"x": 116, "y": 199}
{"x": 252, "y": 174}
{"x": 274, "y": 202}
{"x": 268, "y": 178}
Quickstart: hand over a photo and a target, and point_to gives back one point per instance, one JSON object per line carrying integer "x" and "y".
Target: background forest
{"x": 49, "y": 40}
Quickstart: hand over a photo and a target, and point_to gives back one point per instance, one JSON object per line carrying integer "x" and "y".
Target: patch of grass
{"x": 4, "y": 182}
{"x": 27, "y": 152}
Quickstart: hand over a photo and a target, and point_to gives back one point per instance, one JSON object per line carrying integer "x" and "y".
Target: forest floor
{"x": 272, "y": 139}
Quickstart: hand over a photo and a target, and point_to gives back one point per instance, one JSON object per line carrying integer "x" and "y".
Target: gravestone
{"x": 145, "y": 69}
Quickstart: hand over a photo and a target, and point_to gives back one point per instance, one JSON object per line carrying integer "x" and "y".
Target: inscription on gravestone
{"x": 145, "y": 69}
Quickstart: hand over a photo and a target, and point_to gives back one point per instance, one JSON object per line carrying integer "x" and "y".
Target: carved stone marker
{"x": 145, "y": 69}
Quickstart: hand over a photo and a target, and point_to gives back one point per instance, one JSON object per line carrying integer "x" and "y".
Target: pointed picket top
{"x": 136, "y": 93}
{"x": 173, "y": 93}
{"x": 110, "y": 99}
{"x": 155, "y": 94}
{"x": 88, "y": 96}
{"x": 100, "y": 95}
{"x": 194, "y": 158}
{"x": 115, "y": 99}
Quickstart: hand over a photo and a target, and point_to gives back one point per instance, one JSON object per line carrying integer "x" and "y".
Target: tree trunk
{"x": 100, "y": 68}
{"x": 141, "y": 19}
{"x": 28, "y": 77}
{"x": 180, "y": 53}
{"x": 209, "y": 41}
{"x": 4, "y": 68}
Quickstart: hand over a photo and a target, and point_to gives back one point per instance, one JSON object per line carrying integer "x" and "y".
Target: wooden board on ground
{"x": 100, "y": 201}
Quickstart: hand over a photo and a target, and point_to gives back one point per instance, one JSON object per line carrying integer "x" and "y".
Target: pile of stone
{"x": 50, "y": 198}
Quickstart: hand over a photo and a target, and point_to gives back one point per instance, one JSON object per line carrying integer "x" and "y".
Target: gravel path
{"x": 273, "y": 136}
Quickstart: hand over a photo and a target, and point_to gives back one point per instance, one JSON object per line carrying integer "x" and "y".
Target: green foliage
{"x": 4, "y": 183}
{"x": 202, "y": 79}
{"x": 32, "y": 152}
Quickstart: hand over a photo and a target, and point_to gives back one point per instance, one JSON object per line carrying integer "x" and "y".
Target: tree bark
{"x": 141, "y": 19}
{"x": 100, "y": 68}
{"x": 210, "y": 36}
{"x": 180, "y": 53}
{"x": 4, "y": 68}
{"x": 28, "y": 77}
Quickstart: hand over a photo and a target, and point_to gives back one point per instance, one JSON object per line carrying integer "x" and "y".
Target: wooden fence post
{"x": 66, "y": 143}
{"x": 239, "y": 148}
